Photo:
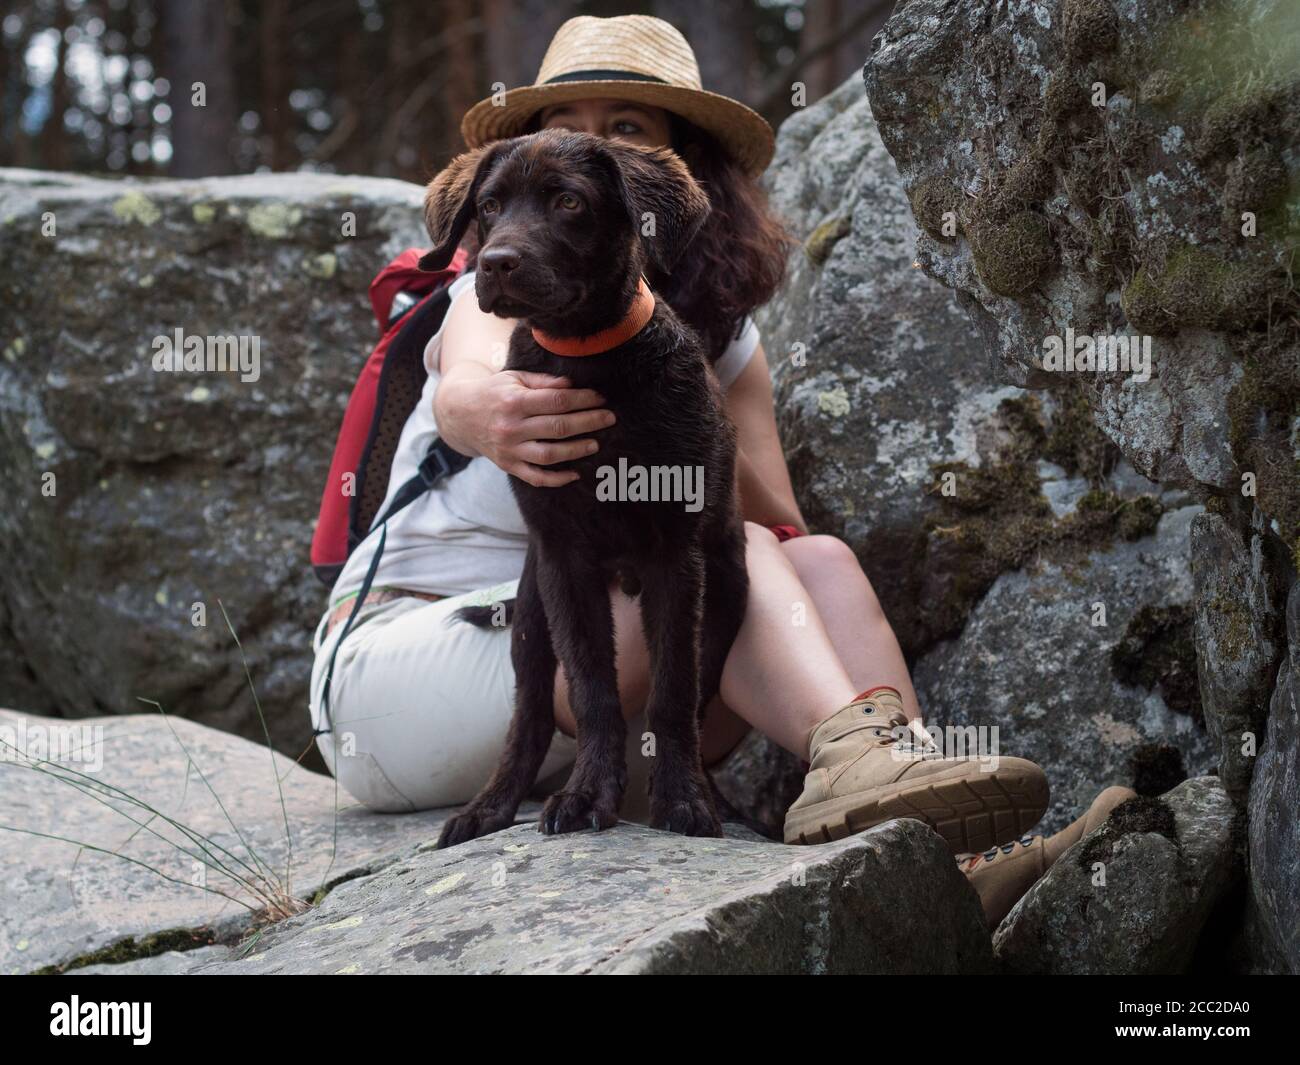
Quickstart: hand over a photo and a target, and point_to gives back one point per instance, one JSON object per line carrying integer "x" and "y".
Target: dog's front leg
{"x": 582, "y": 629}
{"x": 671, "y": 604}
{"x": 531, "y": 728}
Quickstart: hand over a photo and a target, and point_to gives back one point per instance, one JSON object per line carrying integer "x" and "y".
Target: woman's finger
{"x": 541, "y": 453}
{"x": 539, "y": 380}
{"x": 542, "y": 478}
{"x": 556, "y": 400}
{"x": 562, "y": 426}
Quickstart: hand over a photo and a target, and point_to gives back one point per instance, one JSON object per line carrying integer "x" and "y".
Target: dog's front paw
{"x": 686, "y": 818}
{"x": 572, "y": 811}
{"x": 686, "y": 810}
{"x": 472, "y": 823}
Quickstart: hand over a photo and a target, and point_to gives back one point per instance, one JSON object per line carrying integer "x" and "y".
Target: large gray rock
{"x": 117, "y": 830}
{"x": 1098, "y": 158}
{"x": 1235, "y": 654}
{"x": 1078, "y": 698}
{"x": 1275, "y": 811}
{"x": 1130, "y": 168}
{"x": 92, "y": 783}
{"x": 1133, "y": 896}
{"x": 633, "y": 900}
{"x": 874, "y": 365}
{"x": 172, "y": 489}
{"x": 900, "y": 440}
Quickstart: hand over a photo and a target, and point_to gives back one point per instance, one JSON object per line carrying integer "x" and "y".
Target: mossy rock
{"x": 999, "y": 519}
{"x": 931, "y": 199}
{"x": 1027, "y": 183}
{"x": 1276, "y": 466}
{"x": 1064, "y": 95}
{"x": 1158, "y": 652}
{"x": 1138, "y": 815}
{"x": 822, "y": 239}
{"x": 1142, "y": 302}
{"x": 1161, "y": 88}
{"x": 1089, "y": 28}
{"x": 1013, "y": 256}
{"x": 1196, "y": 288}
{"x": 1257, "y": 181}
{"x": 1239, "y": 118}
{"x": 1075, "y": 442}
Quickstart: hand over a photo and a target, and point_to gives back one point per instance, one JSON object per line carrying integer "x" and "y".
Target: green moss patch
{"x": 1195, "y": 288}
{"x": 998, "y": 520}
{"x": 1136, "y": 816}
{"x": 1258, "y": 182}
{"x": 932, "y": 198}
{"x": 1161, "y": 88}
{"x": 822, "y": 239}
{"x": 1089, "y": 28}
{"x": 132, "y": 949}
{"x": 1263, "y": 409}
{"x": 1075, "y": 442}
{"x": 1158, "y": 652}
{"x": 1013, "y": 256}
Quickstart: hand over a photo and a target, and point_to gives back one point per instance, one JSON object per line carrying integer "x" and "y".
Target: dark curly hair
{"x": 737, "y": 261}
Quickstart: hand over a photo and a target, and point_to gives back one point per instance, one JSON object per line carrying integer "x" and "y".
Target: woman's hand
{"x": 522, "y": 421}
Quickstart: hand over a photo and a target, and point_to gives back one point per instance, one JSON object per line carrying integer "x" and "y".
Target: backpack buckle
{"x": 439, "y": 462}
{"x": 434, "y": 467}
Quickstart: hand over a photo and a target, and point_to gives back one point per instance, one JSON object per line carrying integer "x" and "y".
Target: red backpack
{"x": 409, "y": 305}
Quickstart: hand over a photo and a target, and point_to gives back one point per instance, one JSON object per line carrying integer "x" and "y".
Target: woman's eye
{"x": 489, "y": 206}
{"x": 626, "y": 129}
{"x": 568, "y": 201}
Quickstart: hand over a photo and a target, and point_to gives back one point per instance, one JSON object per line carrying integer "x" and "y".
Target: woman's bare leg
{"x": 862, "y": 635}
{"x": 783, "y": 676}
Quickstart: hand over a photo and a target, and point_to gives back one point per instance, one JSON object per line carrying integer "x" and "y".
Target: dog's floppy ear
{"x": 666, "y": 205}
{"x": 449, "y": 202}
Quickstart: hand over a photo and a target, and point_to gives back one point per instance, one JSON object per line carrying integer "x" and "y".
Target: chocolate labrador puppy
{"x": 568, "y": 226}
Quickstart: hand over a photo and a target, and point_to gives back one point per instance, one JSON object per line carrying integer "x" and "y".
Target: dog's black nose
{"x": 502, "y": 259}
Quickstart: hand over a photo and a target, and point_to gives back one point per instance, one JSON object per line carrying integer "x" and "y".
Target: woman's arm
{"x": 522, "y": 421}
{"x": 766, "y": 494}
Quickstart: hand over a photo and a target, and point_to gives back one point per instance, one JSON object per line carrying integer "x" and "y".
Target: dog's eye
{"x": 489, "y": 206}
{"x": 568, "y": 201}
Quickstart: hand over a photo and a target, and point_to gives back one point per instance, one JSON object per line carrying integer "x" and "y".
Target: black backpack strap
{"x": 401, "y": 382}
{"x": 439, "y": 462}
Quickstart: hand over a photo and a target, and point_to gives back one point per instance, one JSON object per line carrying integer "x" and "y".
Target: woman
{"x": 420, "y": 705}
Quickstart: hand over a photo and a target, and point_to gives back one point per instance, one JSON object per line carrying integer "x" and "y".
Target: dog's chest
{"x": 651, "y": 481}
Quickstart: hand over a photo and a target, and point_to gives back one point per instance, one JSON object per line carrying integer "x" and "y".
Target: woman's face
{"x": 614, "y": 119}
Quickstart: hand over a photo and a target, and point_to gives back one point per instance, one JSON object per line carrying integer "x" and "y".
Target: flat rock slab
{"x": 634, "y": 900}
{"x": 57, "y": 904}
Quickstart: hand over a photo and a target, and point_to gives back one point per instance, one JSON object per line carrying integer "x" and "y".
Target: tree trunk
{"x": 197, "y": 50}
{"x": 274, "y": 104}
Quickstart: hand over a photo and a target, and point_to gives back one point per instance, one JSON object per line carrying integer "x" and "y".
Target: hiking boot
{"x": 864, "y": 771}
{"x": 1002, "y": 875}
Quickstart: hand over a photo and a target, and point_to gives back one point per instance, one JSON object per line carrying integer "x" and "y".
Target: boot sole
{"x": 972, "y": 814}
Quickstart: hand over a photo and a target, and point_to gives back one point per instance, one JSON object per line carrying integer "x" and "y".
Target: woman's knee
{"x": 822, "y": 553}
{"x": 829, "y": 562}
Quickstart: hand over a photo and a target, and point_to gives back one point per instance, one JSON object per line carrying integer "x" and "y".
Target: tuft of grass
{"x": 244, "y": 877}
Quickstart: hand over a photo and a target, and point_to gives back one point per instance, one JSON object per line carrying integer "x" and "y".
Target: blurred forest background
{"x": 350, "y": 86}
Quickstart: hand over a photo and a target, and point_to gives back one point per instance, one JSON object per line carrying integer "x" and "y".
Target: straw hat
{"x": 631, "y": 57}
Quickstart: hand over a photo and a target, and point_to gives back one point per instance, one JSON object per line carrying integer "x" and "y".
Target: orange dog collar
{"x": 643, "y": 306}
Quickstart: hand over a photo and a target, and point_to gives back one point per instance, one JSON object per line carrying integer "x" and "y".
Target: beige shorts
{"x": 420, "y": 704}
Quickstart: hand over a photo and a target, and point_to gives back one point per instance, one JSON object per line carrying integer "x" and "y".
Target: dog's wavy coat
{"x": 568, "y": 224}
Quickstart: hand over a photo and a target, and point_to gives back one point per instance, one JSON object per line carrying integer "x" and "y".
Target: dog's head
{"x": 563, "y": 219}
